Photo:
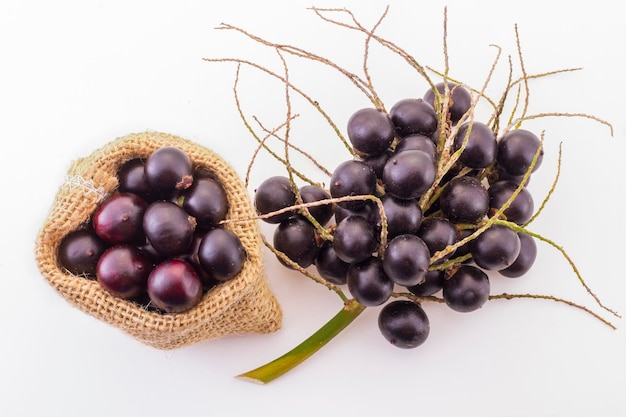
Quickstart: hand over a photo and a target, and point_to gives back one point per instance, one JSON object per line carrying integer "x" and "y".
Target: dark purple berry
{"x": 481, "y": 147}
{"x": 404, "y": 324}
{"x": 516, "y": 151}
{"x": 169, "y": 169}
{"x": 273, "y": 194}
{"x": 330, "y": 266}
{"x": 520, "y": 209}
{"x": 430, "y": 285}
{"x": 118, "y": 219}
{"x": 297, "y": 239}
{"x": 419, "y": 143}
{"x": 191, "y": 256}
{"x": 312, "y": 193}
{"x": 496, "y": 248}
{"x": 459, "y": 103}
{"x": 464, "y": 200}
{"x": 352, "y": 178}
{"x": 79, "y": 252}
{"x": 221, "y": 254}
{"x": 403, "y": 216}
{"x": 438, "y": 233}
{"x": 413, "y": 115}
{"x": 169, "y": 228}
{"x": 123, "y": 271}
{"x": 406, "y": 260}
{"x": 132, "y": 179}
{"x": 466, "y": 289}
{"x": 174, "y": 286}
{"x": 525, "y": 259}
{"x": 377, "y": 162}
{"x": 368, "y": 283}
{"x": 354, "y": 239}
{"x": 369, "y": 211}
{"x": 206, "y": 200}
{"x": 370, "y": 131}
{"x": 409, "y": 174}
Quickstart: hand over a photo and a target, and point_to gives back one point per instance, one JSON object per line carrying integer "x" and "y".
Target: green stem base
{"x": 283, "y": 364}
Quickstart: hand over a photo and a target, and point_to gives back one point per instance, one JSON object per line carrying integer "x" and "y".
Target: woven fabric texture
{"x": 243, "y": 305}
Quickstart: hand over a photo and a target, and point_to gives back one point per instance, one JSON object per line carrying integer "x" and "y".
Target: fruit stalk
{"x": 283, "y": 364}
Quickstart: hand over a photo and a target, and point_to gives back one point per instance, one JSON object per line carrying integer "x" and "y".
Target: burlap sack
{"x": 244, "y": 305}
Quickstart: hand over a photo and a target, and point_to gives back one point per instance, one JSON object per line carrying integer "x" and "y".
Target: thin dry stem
{"x": 308, "y": 98}
{"x": 261, "y": 141}
{"x": 384, "y": 42}
{"x": 284, "y": 258}
{"x": 308, "y": 156}
{"x": 378, "y": 102}
{"x": 524, "y": 74}
{"x": 506, "y": 296}
{"x": 299, "y": 52}
{"x": 255, "y": 153}
{"x": 569, "y": 260}
{"x": 558, "y": 114}
{"x": 448, "y": 133}
{"x": 496, "y": 216}
{"x": 551, "y": 190}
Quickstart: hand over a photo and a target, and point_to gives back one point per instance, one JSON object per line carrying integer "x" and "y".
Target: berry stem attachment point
{"x": 283, "y": 364}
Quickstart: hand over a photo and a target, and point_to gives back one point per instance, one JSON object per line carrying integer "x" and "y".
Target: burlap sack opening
{"x": 244, "y": 305}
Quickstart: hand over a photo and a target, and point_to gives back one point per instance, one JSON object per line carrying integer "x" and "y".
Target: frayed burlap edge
{"x": 244, "y": 305}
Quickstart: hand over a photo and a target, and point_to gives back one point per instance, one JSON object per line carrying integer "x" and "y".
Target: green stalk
{"x": 279, "y": 366}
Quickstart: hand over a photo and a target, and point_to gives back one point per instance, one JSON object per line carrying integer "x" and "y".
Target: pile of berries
{"x": 157, "y": 239}
{"x": 393, "y": 213}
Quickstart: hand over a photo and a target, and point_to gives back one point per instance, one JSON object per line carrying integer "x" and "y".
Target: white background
{"x": 77, "y": 74}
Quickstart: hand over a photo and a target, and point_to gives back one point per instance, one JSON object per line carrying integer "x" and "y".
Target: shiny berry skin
{"x": 79, "y": 252}
{"x": 191, "y": 256}
{"x": 123, "y": 271}
{"x": 520, "y": 210}
{"x": 516, "y": 151}
{"x": 377, "y": 162}
{"x": 481, "y": 147}
{"x": 169, "y": 169}
{"x": 438, "y": 233}
{"x": 174, "y": 286}
{"x": 430, "y": 285}
{"x": 169, "y": 228}
{"x": 330, "y": 266}
{"x": 132, "y": 179}
{"x": 466, "y": 289}
{"x": 496, "y": 248}
{"x": 221, "y": 254}
{"x": 368, "y": 283}
{"x": 118, "y": 219}
{"x": 406, "y": 260}
{"x": 409, "y": 174}
{"x": 460, "y": 99}
{"x": 296, "y": 238}
{"x": 502, "y": 175}
{"x": 413, "y": 116}
{"x": 464, "y": 200}
{"x": 404, "y": 324}
{"x": 273, "y": 194}
{"x": 419, "y": 143}
{"x": 206, "y": 200}
{"x": 370, "y": 131}
{"x": 352, "y": 178}
{"x": 312, "y": 193}
{"x": 403, "y": 216}
{"x": 354, "y": 239}
{"x": 525, "y": 259}
{"x": 463, "y": 249}
{"x": 369, "y": 211}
